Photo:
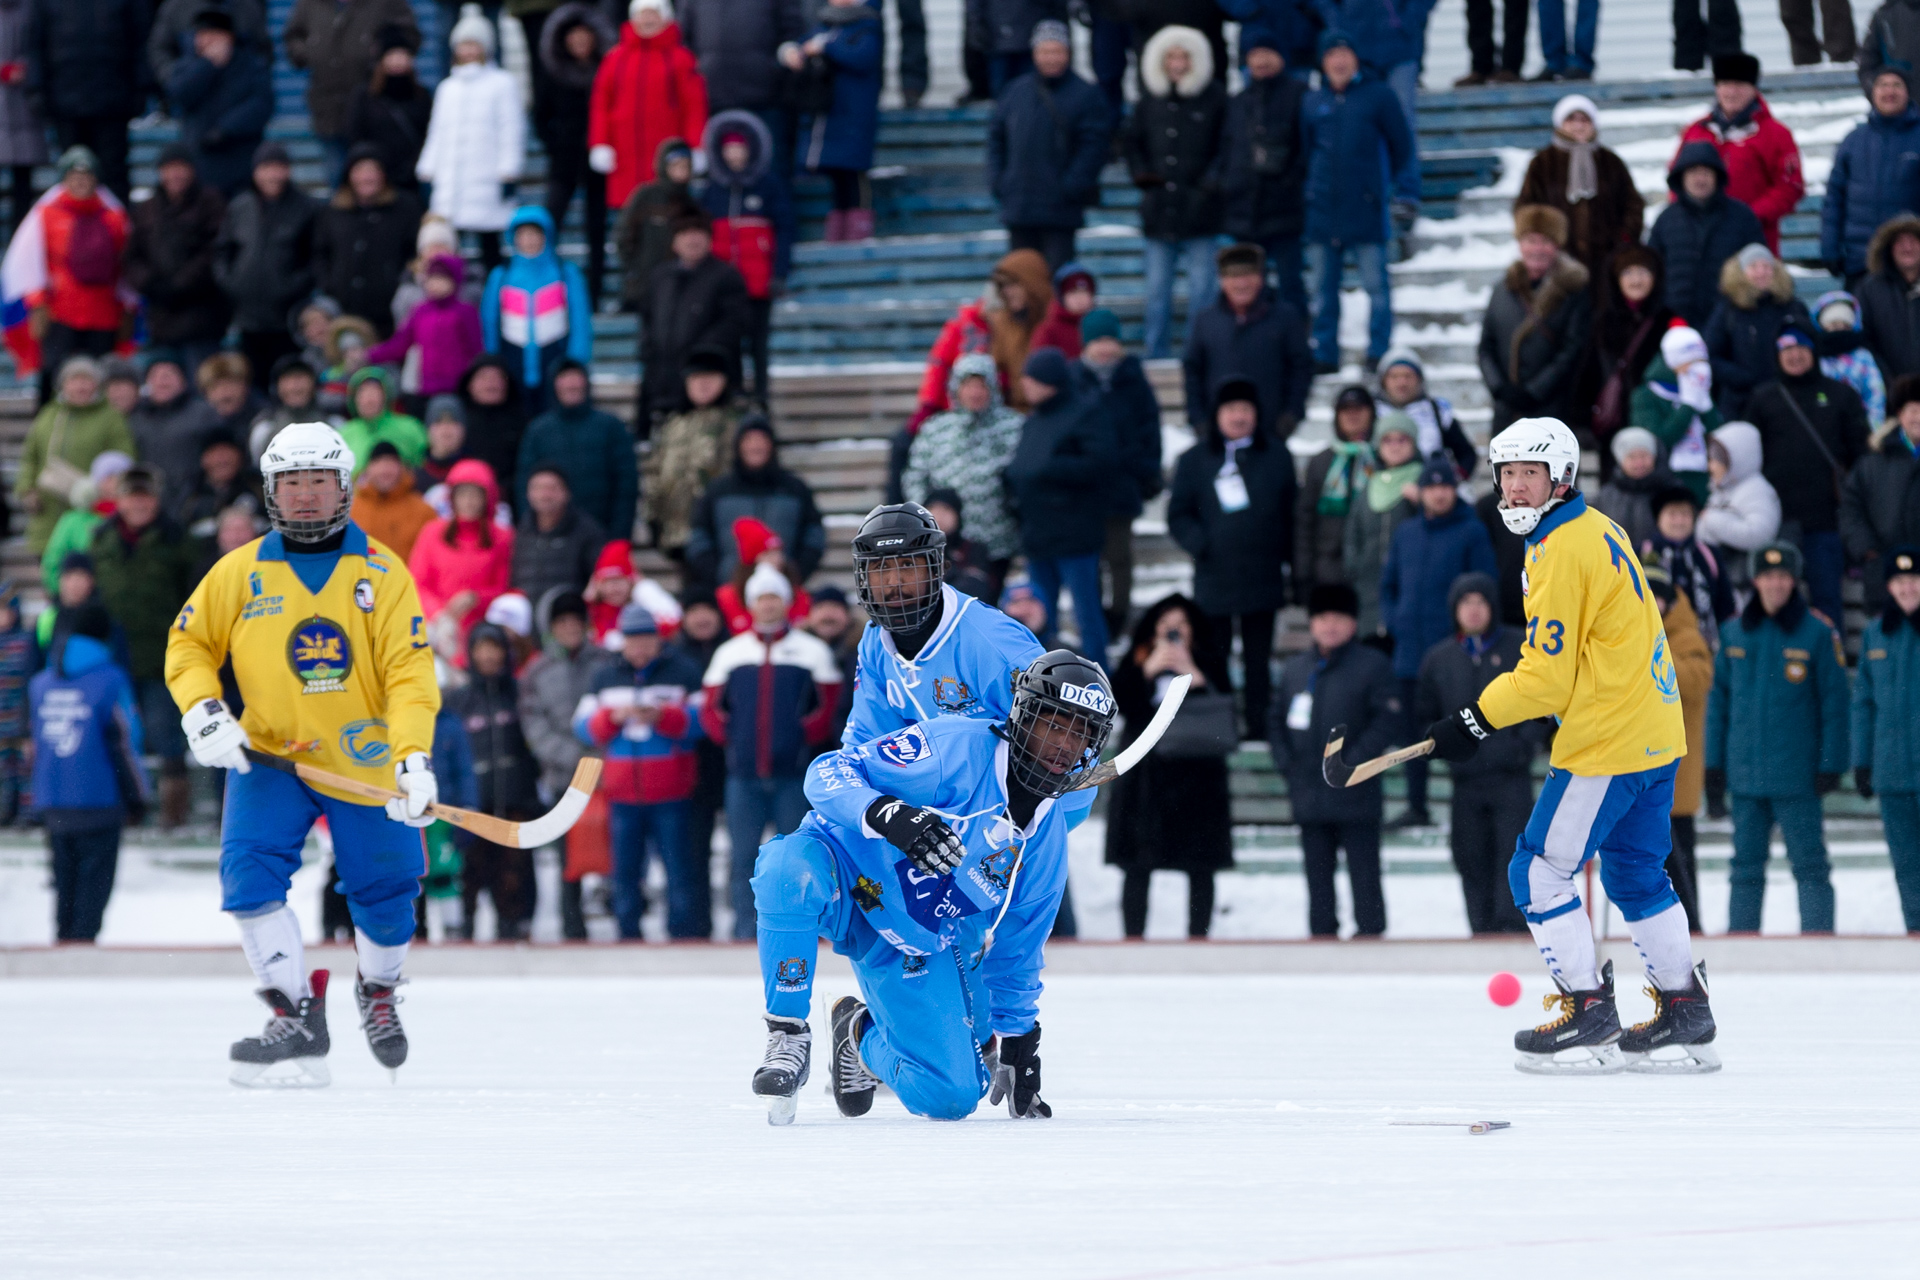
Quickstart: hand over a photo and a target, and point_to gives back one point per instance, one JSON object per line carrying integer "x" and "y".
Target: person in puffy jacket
{"x": 445, "y": 327}
{"x": 263, "y": 258}
{"x": 592, "y": 448}
{"x": 222, "y": 91}
{"x": 1263, "y": 159}
{"x": 87, "y": 75}
{"x": 692, "y": 300}
{"x": 170, "y": 259}
{"x": 1875, "y": 175}
{"x": 838, "y": 142}
{"x": 524, "y": 318}
{"x": 488, "y": 708}
{"x": 575, "y": 39}
{"x": 1127, "y": 402}
{"x": 1761, "y": 159}
{"x": 1756, "y": 299}
{"x": 364, "y": 240}
{"x": 1880, "y": 502}
{"x": 393, "y": 109}
{"x": 649, "y": 88}
{"x": 643, "y": 235}
{"x": 476, "y": 141}
{"x": 1844, "y": 357}
{"x": 462, "y": 562}
{"x": 1889, "y": 296}
{"x": 335, "y": 42}
{"x": 1172, "y": 145}
{"x": 1699, "y": 231}
{"x": 1045, "y": 147}
{"x": 1016, "y": 300}
{"x": 753, "y": 222}
{"x": 1534, "y": 337}
{"x": 966, "y": 449}
{"x": 1743, "y": 510}
{"x": 78, "y": 311}
{"x": 756, "y": 486}
{"x": 370, "y": 398}
{"x": 1886, "y": 723}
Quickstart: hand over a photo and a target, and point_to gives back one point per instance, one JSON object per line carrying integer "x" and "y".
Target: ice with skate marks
{"x": 288, "y": 1073}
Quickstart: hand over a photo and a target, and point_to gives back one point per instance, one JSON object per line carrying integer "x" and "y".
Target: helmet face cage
{"x": 1033, "y": 711}
{"x": 307, "y": 530}
{"x": 907, "y": 612}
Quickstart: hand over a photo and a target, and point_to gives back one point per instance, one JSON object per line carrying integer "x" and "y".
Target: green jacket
{"x": 1886, "y": 702}
{"x": 144, "y": 585}
{"x": 72, "y": 532}
{"x": 404, "y": 433}
{"x": 1668, "y": 419}
{"x": 77, "y": 435}
{"x": 1777, "y": 713}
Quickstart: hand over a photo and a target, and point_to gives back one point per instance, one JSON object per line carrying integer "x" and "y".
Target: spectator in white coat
{"x": 476, "y": 139}
{"x": 1743, "y": 510}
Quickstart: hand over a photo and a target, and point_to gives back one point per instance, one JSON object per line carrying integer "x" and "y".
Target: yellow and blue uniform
{"x": 1594, "y": 657}
{"x": 330, "y": 653}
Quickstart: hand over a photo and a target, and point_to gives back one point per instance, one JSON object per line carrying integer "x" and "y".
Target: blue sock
{"x": 786, "y": 967}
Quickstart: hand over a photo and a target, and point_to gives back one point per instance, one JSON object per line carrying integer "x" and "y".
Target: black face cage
{"x": 1024, "y": 763}
{"x": 308, "y": 530}
{"x": 909, "y": 613}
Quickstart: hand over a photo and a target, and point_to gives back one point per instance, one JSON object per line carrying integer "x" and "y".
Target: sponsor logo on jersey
{"x": 899, "y": 943}
{"x": 362, "y": 742}
{"x": 867, "y": 893}
{"x": 931, "y": 900}
{"x": 253, "y": 583}
{"x": 1665, "y": 678}
{"x": 791, "y": 974}
{"x": 320, "y": 655}
{"x": 363, "y": 595}
{"x": 1088, "y": 696}
{"x": 907, "y": 746}
{"x": 914, "y": 966}
{"x": 951, "y": 695}
{"x": 300, "y": 748}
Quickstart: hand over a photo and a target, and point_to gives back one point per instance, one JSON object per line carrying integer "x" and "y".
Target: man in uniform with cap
{"x": 1886, "y": 723}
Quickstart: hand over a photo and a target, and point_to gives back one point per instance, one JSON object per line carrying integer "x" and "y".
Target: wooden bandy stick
{"x": 1340, "y": 774}
{"x": 514, "y": 835}
{"x": 1149, "y": 738}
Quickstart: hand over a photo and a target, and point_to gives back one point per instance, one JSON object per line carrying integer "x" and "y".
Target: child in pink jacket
{"x": 446, "y": 329}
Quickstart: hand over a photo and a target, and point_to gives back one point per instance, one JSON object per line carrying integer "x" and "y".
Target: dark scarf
{"x": 1788, "y": 619}
{"x": 1891, "y": 619}
{"x": 1734, "y": 128}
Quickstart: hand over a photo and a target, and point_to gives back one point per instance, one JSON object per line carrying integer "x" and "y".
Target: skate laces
{"x": 281, "y": 1027}
{"x": 1568, "y": 1007}
{"x": 785, "y": 1047}
{"x": 854, "y": 1076}
{"x": 378, "y": 1017}
{"x": 1659, "y": 1008}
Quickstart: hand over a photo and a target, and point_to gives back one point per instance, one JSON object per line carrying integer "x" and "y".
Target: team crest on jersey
{"x": 1089, "y": 696}
{"x": 363, "y": 595}
{"x": 363, "y": 742}
{"x": 253, "y": 583}
{"x": 905, "y": 747}
{"x": 867, "y": 893}
{"x": 321, "y": 655}
{"x": 995, "y": 871}
{"x": 913, "y": 966}
{"x": 791, "y": 974}
{"x": 951, "y": 695}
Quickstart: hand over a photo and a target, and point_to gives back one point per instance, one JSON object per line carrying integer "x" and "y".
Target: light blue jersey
{"x": 965, "y": 669}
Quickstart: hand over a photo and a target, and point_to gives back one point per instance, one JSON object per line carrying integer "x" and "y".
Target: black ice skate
{"x": 296, "y": 1034}
{"x": 786, "y": 1067}
{"x": 1587, "y": 1024}
{"x": 852, "y": 1085}
{"x": 1681, "y": 1020}
{"x": 381, "y": 1021}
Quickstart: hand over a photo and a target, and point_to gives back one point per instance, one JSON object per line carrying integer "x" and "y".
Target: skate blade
{"x": 1600, "y": 1060}
{"x": 305, "y": 1073}
{"x": 1694, "y": 1060}
{"x": 780, "y": 1111}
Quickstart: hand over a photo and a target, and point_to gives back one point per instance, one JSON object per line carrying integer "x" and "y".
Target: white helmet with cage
{"x": 307, "y": 446}
{"x": 1544, "y": 440}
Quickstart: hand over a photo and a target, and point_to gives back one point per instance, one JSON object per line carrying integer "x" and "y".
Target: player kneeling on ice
{"x": 934, "y": 859}
{"x": 324, "y": 630}
{"x": 1595, "y": 657}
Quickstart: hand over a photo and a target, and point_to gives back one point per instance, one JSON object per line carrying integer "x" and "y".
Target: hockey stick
{"x": 1146, "y": 742}
{"x": 514, "y": 835}
{"x": 1339, "y": 773}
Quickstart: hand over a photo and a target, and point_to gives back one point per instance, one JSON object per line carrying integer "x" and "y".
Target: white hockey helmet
{"x": 1546, "y": 440}
{"x": 307, "y": 446}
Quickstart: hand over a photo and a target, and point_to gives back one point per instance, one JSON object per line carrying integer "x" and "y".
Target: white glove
{"x": 217, "y": 740}
{"x": 1696, "y": 386}
{"x": 601, "y": 159}
{"x": 414, "y": 777}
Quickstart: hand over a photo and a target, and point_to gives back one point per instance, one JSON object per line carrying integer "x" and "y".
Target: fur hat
{"x": 1153, "y": 71}
{"x": 1333, "y": 597}
{"x": 1740, "y": 68}
{"x": 1541, "y": 220}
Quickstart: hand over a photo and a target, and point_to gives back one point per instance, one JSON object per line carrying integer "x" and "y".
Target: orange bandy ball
{"x": 1503, "y": 989}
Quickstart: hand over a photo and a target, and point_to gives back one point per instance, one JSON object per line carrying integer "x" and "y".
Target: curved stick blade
{"x": 1334, "y": 770}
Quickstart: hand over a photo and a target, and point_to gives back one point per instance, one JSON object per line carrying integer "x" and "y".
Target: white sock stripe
{"x": 273, "y": 947}
{"x": 1571, "y": 831}
{"x": 1665, "y": 948}
{"x": 377, "y": 963}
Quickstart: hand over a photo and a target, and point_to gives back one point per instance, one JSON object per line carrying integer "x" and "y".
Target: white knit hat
{"x": 662, "y": 7}
{"x": 1625, "y": 441}
{"x": 1575, "y": 102}
{"x": 472, "y": 28}
{"x": 767, "y": 581}
{"x": 512, "y": 612}
{"x": 1682, "y": 345}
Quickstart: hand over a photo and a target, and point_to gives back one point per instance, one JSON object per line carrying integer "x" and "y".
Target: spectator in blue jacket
{"x": 1352, "y": 121}
{"x": 839, "y": 143}
{"x": 1886, "y": 723}
{"x": 1290, "y": 28}
{"x": 1423, "y": 560}
{"x": 1699, "y": 231}
{"x": 1249, "y": 331}
{"x": 1876, "y": 174}
{"x": 1045, "y": 148}
{"x": 1390, "y": 37}
{"x": 1126, "y": 402}
{"x": 87, "y": 780}
{"x": 222, "y": 91}
{"x": 1777, "y": 737}
{"x": 1263, "y": 162}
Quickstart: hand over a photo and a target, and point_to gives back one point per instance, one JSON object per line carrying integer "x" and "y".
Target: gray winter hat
{"x": 1050, "y": 30}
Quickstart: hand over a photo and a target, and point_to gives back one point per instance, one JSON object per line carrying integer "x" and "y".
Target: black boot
{"x": 786, "y": 1067}
{"x": 1587, "y": 1022}
{"x": 380, "y": 1019}
{"x": 853, "y": 1084}
{"x": 296, "y": 1033}
{"x": 1681, "y": 1020}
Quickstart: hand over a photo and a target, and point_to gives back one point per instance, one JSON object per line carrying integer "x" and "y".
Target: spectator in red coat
{"x": 1003, "y": 321}
{"x": 461, "y": 563}
{"x": 648, "y": 89}
{"x": 1073, "y": 297}
{"x": 760, "y": 548}
{"x": 79, "y": 313}
{"x": 1762, "y": 159}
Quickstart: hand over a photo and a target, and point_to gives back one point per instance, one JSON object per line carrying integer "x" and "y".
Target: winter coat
{"x": 986, "y": 325}
{"x": 569, "y": 107}
{"x": 1347, "y": 189}
{"x": 1060, "y": 477}
{"x": 1533, "y": 341}
{"x": 447, "y": 331}
{"x": 1629, "y": 503}
{"x": 1762, "y": 163}
{"x": 76, "y": 435}
{"x": 87, "y": 59}
{"x": 969, "y": 453}
{"x": 1510, "y": 554}
{"x": 646, "y": 764}
{"x": 200, "y": 510}
{"x": 1617, "y": 323}
{"x": 561, "y": 557}
{"x": 1806, "y": 475}
{"x": 401, "y": 431}
{"x": 507, "y": 775}
{"x": 453, "y": 555}
{"x": 1741, "y": 334}
{"x": 1886, "y": 702}
{"x": 87, "y": 740}
{"x": 170, "y": 263}
{"x": 1875, "y": 177}
{"x": 550, "y": 688}
{"x": 1743, "y": 511}
{"x": 1172, "y": 142}
{"x": 1844, "y": 356}
{"x": 23, "y": 134}
{"x": 1294, "y": 24}
{"x": 393, "y": 519}
{"x": 1695, "y": 240}
{"x": 1263, "y": 160}
{"x": 171, "y": 37}
{"x": 595, "y": 450}
{"x": 1319, "y": 536}
{"x": 223, "y": 113}
{"x": 1366, "y": 539}
{"x": 690, "y": 449}
{"x": 1425, "y": 557}
{"x": 333, "y": 42}
{"x": 1239, "y": 557}
{"x": 476, "y": 146}
{"x": 360, "y": 251}
{"x": 1777, "y": 715}
{"x": 1698, "y": 577}
{"x": 1166, "y": 813}
{"x": 1267, "y": 345}
{"x": 643, "y": 233}
{"x": 396, "y": 121}
{"x": 1439, "y": 431}
{"x": 751, "y": 210}
{"x": 1045, "y": 149}
{"x": 1880, "y": 506}
{"x": 1598, "y": 225}
{"x": 536, "y": 311}
{"x": 844, "y": 138}
{"x": 1693, "y": 668}
{"x": 1453, "y": 671}
{"x": 263, "y": 258}
{"x": 772, "y": 495}
{"x": 1352, "y": 686}
{"x": 494, "y": 432}
{"x": 770, "y": 701}
{"x": 169, "y": 436}
{"x": 1126, "y": 402}
{"x": 645, "y": 92}
{"x": 1889, "y": 305}
{"x": 736, "y": 42}
{"x": 1006, "y": 26}
{"x": 143, "y": 583}
{"x": 1656, "y": 405}
{"x": 1385, "y": 33}
{"x": 684, "y": 308}
{"x": 69, "y": 302}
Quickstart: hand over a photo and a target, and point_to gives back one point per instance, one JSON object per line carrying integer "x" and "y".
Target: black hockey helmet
{"x": 899, "y": 564}
{"x": 1063, "y": 713}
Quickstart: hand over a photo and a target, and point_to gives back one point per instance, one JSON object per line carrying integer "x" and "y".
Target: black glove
{"x": 1017, "y": 1077}
{"x": 1458, "y": 735}
{"x": 1716, "y": 788}
{"x": 1863, "y": 780}
{"x": 919, "y": 833}
{"x": 1825, "y": 784}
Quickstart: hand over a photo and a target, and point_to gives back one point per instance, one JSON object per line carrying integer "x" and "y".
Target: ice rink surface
{"x": 1204, "y": 1126}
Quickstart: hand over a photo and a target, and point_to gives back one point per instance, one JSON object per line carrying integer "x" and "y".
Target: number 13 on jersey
{"x": 1556, "y": 633}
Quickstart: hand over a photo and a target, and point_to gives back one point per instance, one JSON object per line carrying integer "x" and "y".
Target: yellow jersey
{"x": 341, "y": 678}
{"x": 1594, "y": 654}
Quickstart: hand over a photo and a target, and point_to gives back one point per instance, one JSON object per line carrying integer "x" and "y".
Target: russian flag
{"x": 23, "y": 275}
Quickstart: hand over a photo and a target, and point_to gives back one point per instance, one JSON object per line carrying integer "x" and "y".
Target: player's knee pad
{"x": 1637, "y": 885}
{"x": 1540, "y": 891}
{"x": 793, "y": 881}
{"x": 384, "y": 910}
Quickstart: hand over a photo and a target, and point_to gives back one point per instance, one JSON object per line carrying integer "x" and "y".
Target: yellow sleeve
{"x": 405, "y": 662}
{"x": 197, "y": 645}
{"x": 1542, "y": 683}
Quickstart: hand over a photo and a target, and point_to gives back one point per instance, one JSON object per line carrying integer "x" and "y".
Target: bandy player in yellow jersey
{"x": 1594, "y": 657}
{"x": 330, "y": 653}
